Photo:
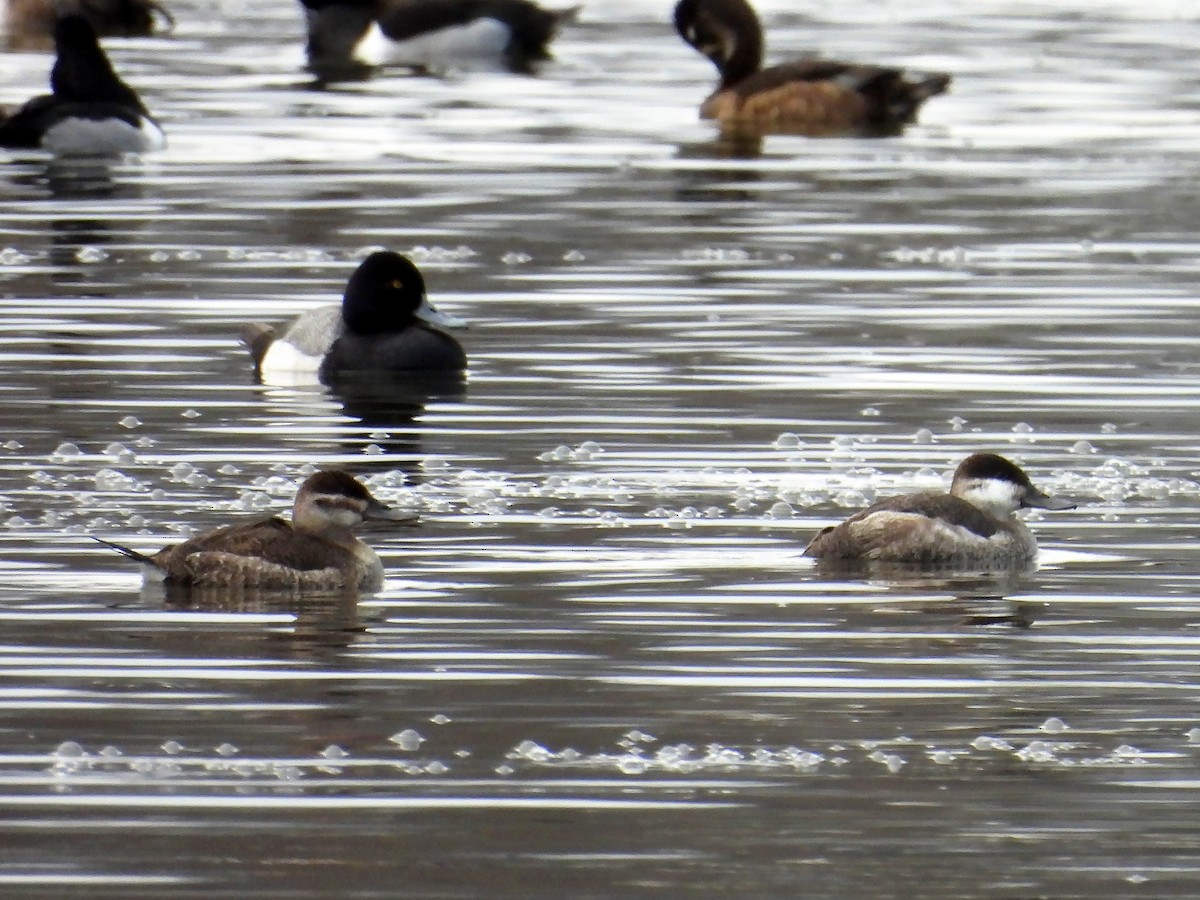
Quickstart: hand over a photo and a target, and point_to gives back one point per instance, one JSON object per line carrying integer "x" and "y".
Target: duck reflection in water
{"x": 970, "y": 532}
{"x": 315, "y": 552}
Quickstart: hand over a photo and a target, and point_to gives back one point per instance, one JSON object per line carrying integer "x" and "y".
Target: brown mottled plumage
{"x": 972, "y": 525}
{"x": 315, "y": 551}
{"x": 815, "y": 98}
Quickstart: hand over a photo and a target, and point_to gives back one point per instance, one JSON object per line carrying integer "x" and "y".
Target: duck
{"x": 430, "y": 35}
{"x": 973, "y": 525}
{"x": 815, "y": 98}
{"x": 90, "y": 110}
{"x": 29, "y": 24}
{"x": 385, "y": 324}
{"x": 316, "y": 551}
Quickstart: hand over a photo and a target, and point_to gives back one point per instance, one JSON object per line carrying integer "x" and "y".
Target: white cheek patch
{"x": 96, "y": 137}
{"x": 998, "y": 497}
{"x": 478, "y": 45}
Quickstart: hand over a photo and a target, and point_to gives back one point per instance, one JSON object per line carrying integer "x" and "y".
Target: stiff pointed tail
{"x": 127, "y": 551}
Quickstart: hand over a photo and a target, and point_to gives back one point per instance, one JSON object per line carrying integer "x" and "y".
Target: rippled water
{"x": 601, "y": 667}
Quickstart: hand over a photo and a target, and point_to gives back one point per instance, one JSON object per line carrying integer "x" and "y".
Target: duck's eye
{"x": 397, "y": 284}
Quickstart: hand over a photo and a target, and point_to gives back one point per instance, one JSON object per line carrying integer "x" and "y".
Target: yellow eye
{"x": 397, "y": 284}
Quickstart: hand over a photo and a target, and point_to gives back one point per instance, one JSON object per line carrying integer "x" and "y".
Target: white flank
{"x": 102, "y": 137}
{"x": 285, "y": 365}
{"x": 478, "y": 45}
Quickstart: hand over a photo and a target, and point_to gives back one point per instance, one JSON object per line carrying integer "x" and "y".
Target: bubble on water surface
{"x": 1054, "y": 725}
{"x": 10, "y": 256}
{"x": 408, "y": 739}
{"x": 91, "y": 254}
{"x": 64, "y": 451}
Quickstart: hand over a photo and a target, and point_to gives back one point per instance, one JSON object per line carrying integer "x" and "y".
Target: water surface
{"x": 601, "y": 666}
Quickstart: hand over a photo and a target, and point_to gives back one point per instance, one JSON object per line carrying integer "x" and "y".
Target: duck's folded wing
{"x": 219, "y": 569}
{"x": 913, "y": 527}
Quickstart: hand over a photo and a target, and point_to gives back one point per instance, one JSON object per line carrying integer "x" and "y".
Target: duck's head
{"x": 1000, "y": 487}
{"x": 386, "y": 294}
{"x": 726, "y": 31}
{"x": 332, "y": 500}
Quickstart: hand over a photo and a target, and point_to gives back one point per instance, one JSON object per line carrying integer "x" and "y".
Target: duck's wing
{"x": 818, "y": 97}
{"x": 225, "y": 555}
{"x": 215, "y": 568}
{"x": 912, "y": 527}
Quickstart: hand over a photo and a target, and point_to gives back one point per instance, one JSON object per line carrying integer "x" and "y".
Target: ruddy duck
{"x": 29, "y": 24}
{"x": 315, "y": 552}
{"x": 429, "y": 35}
{"x": 90, "y": 110}
{"x": 972, "y": 525}
{"x": 385, "y": 324}
{"x": 810, "y": 97}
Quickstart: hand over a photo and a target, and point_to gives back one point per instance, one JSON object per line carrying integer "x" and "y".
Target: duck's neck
{"x": 745, "y": 54}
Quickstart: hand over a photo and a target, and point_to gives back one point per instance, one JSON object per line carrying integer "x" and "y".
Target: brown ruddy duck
{"x": 347, "y": 37}
{"x": 316, "y": 551}
{"x": 90, "y": 110}
{"x": 816, "y": 98}
{"x": 973, "y": 525}
{"x": 385, "y": 324}
{"x": 29, "y": 24}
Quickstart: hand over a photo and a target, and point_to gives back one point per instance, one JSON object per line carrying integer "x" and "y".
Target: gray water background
{"x": 601, "y": 667}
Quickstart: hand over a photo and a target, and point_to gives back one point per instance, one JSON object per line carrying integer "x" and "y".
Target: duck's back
{"x": 264, "y": 553}
{"x": 919, "y": 528}
{"x": 821, "y": 97}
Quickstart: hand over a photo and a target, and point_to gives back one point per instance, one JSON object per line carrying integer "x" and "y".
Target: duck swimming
{"x": 430, "y": 35}
{"x": 316, "y": 551}
{"x": 972, "y": 525}
{"x": 29, "y": 24}
{"x": 89, "y": 110}
{"x": 385, "y": 324}
{"x": 816, "y": 98}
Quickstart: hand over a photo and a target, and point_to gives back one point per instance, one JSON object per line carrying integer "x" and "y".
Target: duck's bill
{"x": 1037, "y": 499}
{"x": 426, "y": 313}
{"x": 377, "y": 512}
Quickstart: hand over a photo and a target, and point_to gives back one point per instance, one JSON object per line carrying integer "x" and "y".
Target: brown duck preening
{"x": 817, "y": 98}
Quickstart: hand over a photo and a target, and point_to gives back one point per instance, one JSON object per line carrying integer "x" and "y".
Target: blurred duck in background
{"x": 29, "y": 24}
{"x": 90, "y": 110}
{"x": 348, "y": 38}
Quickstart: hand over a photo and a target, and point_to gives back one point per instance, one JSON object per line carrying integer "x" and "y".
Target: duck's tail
{"x": 930, "y": 86}
{"x": 127, "y": 551}
{"x": 258, "y": 337}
